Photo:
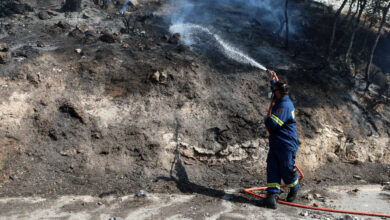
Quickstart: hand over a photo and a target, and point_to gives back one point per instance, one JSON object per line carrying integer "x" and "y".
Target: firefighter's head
{"x": 280, "y": 89}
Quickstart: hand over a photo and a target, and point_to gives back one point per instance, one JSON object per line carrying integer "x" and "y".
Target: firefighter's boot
{"x": 292, "y": 195}
{"x": 270, "y": 200}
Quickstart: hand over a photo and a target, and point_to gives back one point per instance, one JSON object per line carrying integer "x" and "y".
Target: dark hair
{"x": 281, "y": 87}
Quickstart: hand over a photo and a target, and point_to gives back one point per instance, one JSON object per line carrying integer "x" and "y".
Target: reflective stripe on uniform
{"x": 277, "y": 120}
{"x": 273, "y": 185}
{"x": 292, "y": 184}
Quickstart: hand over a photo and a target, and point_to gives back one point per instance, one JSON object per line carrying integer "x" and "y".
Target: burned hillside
{"x": 96, "y": 102}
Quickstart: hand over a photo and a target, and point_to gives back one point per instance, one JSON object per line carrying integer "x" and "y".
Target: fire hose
{"x": 250, "y": 190}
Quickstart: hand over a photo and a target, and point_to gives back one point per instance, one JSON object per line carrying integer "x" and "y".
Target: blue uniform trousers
{"x": 280, "y": 165}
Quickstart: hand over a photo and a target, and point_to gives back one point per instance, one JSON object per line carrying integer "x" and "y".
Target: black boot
{"x": 270, "y": 201}
{"x": 292, "y": 195}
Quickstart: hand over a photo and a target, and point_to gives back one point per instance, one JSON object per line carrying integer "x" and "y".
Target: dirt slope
{"x": 89, "y": 109}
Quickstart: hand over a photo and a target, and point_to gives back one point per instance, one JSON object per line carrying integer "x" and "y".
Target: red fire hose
{"x": 250, "y": 190}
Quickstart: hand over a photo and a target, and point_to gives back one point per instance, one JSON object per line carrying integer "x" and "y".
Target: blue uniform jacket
{"x": 281, "y": 125}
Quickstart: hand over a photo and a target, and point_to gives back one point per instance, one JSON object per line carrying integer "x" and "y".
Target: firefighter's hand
{"x": 271, "y": 74}
{"x": 265, "y": 118}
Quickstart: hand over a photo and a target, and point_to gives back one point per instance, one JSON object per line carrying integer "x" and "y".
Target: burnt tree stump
{"x": 72, "y": 5}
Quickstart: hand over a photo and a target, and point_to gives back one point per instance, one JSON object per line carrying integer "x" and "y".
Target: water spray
{"x": 124, "y": 7}
{"x": 226, "y": 48}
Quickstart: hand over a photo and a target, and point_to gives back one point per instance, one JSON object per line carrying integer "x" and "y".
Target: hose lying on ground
{"x": 250, "y": 191}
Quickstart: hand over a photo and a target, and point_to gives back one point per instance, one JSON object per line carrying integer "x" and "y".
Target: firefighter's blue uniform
{"x": 283, "y": 143}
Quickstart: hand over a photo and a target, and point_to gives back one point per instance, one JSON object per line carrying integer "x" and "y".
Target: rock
{"x": 4, "y": 58}
{"x": 26, "y": 51}
{"x": 174, "y": 39}
{"x": 73, "y": 111}
{"x": 165, "y": 37}
{"x": 141, "y": 193}
{"x": 91, "y": 33}
{"x": 40, "y": 44}
{"x": 63, "y": 25}
{"x": 82, "y": 27}
{"x": 33, "y": 78}
{"x": 360, "y": 85}
{"x": 309, "y": 197}
{"x": 304, "y": 213}
{"x": 68, "y": 152}
{"x": 125, "y": 45}
{"x": 318, "y": 196}
{"x": 374, "y": 89}
{"x": 100, "y": 203}
{"x": 115, "y": 218}
{"x": 331, "y": 158}
{"x": 43, "y": 15}
{"x": 357, "y": 177}
{"x": 163, "y": 77}
{"x": 108, "y": 37}
{"x": 385, "y": 183}
{"x": 247, "y": 144}
{"x": 347, "y": 217}
{"x": 78, "y": 50}
{"x": 155, "y": 77}
{"x": 52, "y": 12}
{"x": 3, "y": 47}
{"x": 90, "y": 37}
{"x": 77, "y": 33}
{"x": 134, "y": 2}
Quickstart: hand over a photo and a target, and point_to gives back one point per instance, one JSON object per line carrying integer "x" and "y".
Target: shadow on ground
{"x": 186, "y": 186}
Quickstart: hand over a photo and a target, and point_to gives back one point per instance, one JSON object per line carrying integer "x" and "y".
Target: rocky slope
{"x": 87, "y": 108}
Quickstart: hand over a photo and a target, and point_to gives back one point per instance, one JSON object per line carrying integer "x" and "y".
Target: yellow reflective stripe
{"x": 292, "y": 184}
{"x": 277, "y": 120}
{"x": 293, "y": 113}
{"x": 273, "y": 185}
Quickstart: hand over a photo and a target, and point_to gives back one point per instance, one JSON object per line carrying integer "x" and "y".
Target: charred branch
{"x": 367, "y": 72}
{"x": 355, "y": 29}
{"x": 336, "y": 19}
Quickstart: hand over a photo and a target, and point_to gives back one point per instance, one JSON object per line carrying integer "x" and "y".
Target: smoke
{"x": 221, "y": 24}
{"x": 238, "y": 13}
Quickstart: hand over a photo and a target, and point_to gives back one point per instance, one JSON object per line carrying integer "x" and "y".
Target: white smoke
{"x": 269, "y": 13}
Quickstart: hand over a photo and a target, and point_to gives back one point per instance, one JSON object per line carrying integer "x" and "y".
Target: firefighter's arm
{"x": 277, "y": 119}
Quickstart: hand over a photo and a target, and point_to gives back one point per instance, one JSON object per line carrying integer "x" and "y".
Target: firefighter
{"x": 283, "y": 146}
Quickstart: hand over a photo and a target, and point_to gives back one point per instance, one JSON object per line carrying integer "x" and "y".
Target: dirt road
{"x": 230, "y": 205}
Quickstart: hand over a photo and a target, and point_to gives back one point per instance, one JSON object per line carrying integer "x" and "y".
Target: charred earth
{"x": 95, "y": 102}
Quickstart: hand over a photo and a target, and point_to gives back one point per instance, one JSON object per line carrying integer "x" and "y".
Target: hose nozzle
{"x": 272, "y": 74}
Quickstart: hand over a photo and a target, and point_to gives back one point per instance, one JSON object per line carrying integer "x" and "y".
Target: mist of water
{"x": 124, "y": 7}
{"x": 185, "y": 29}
